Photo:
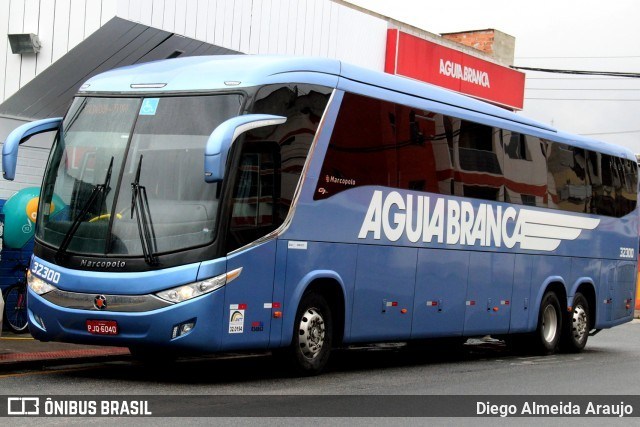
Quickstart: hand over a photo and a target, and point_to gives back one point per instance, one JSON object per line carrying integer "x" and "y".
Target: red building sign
{"x": 419, "y": 59}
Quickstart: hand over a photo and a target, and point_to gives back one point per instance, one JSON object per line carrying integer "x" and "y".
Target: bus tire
{"x": 312, "y": 336}
{"x": 549, "y": 330}
{"x": 577, "y": 326}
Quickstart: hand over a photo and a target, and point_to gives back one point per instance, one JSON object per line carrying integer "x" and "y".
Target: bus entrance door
{"x": 246, "y": 321}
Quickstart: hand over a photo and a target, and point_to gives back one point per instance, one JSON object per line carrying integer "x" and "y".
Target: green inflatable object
{"x": 20, "y": 213}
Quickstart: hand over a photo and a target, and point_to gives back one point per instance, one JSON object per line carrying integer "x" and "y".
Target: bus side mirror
{"x": 20, "y": 135}
{"x": 221, "y": 139}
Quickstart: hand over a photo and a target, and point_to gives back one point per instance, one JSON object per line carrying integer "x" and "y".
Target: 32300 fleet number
{"x": 627, "y": 253}
{"x": 45, "y": 273}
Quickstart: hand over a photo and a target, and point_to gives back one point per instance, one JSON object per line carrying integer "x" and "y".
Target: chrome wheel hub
{"x": 579, "y": 323}
{"x": 311, "y": 333}
{"x": 549, "y": 324}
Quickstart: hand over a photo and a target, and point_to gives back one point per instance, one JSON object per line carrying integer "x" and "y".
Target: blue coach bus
{"x": 210, "y": 204}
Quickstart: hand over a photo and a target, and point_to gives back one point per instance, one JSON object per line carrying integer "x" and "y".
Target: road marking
{"x": 16, "y": 338}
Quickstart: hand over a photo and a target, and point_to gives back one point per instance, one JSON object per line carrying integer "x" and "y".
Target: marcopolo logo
{"x": 426, "y": 219}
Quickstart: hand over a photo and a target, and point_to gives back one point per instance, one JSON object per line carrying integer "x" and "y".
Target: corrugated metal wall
{"x": 60, "y": 24}
{"x": 296, "y": 27}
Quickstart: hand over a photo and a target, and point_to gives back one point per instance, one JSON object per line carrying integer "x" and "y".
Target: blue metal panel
{"x": 314, "y": 261}
{"x": 583, "y": 270}
{"x": 546, "y": 270}
{"x": 521, "y": 298}
{"x": 605, "y": 291}
{"x": 249, "y": 297}
{"x": 441, "y": 287}
{"x": 385, "y": 280}
{"x": 489, "y": 289}
{"x": 623, "y": 290}
{"x": 279, "y": 282}
{"x": 615, "y": 293}
{"x": 586, "y": 272}
{"x": 212, "y": 268}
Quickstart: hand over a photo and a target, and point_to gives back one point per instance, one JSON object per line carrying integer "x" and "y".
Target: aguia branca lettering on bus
{"x": 449, "y": 221}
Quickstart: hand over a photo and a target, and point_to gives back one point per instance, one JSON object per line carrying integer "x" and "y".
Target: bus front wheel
{"x": 312, "y": 336}
{"x": 576, "y": 330}
{"x": 549, "y": 324}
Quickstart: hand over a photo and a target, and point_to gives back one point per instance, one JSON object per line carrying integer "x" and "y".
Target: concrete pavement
{"x": 22, "y": 351}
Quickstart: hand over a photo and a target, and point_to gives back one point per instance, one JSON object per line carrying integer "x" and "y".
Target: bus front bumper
{"x": 189, "y": 326}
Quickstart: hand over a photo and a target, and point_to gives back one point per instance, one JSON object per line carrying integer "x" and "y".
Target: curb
{"x": 14, "y": 361}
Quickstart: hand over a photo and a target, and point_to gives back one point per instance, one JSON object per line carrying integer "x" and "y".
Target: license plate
{"x": 102, "y": 327}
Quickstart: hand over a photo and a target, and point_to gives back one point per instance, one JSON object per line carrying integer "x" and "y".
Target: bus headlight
{"x": 192, "y": 290}
{"x": 38, "y": 285}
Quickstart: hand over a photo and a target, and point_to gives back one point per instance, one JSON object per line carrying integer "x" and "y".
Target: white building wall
{"x": 60, "y": 25}
{"x": 294, "y": 27}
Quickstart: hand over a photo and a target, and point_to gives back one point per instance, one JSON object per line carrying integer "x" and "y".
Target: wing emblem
{"x": 544, "y": 231}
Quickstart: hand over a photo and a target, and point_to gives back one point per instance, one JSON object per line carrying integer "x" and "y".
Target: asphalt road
{"x": 609, "y": 365}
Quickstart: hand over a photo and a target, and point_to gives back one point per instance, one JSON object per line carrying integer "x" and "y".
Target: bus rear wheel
{"x": 312, "y": 336}
{"x": 549, "y": 330}
{"x": 576, "y": 330}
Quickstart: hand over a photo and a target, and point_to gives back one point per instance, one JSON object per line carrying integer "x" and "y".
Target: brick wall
{"x": 482, "y": 40}
{"x": 499, "y": 45}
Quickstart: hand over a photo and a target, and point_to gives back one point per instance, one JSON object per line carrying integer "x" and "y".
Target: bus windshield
{"x": 128, "y": 173}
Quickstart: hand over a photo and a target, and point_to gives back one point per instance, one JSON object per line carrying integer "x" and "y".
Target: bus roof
{"x": 205, "y": 73}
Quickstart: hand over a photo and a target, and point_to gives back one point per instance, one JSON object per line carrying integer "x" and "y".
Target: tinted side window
{"x": 630, "y": 192}
{"x": 362, "y": 150}
{"x": 525, "y": 169}
{"x": 424, "y": 157}
{"x": 480, "y": 157}
{"x": 614, "y": 183}
{"x": 375, "y": 142}
{"x": 567, "y": 185}
{"x": 603, "y": 196}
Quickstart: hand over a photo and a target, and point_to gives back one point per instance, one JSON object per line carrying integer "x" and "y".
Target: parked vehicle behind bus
{"x": 211, "y": 204}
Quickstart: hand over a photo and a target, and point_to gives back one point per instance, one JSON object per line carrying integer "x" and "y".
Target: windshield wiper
{"x": 97, "y": 190}
{"x": 140, "y": 204}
